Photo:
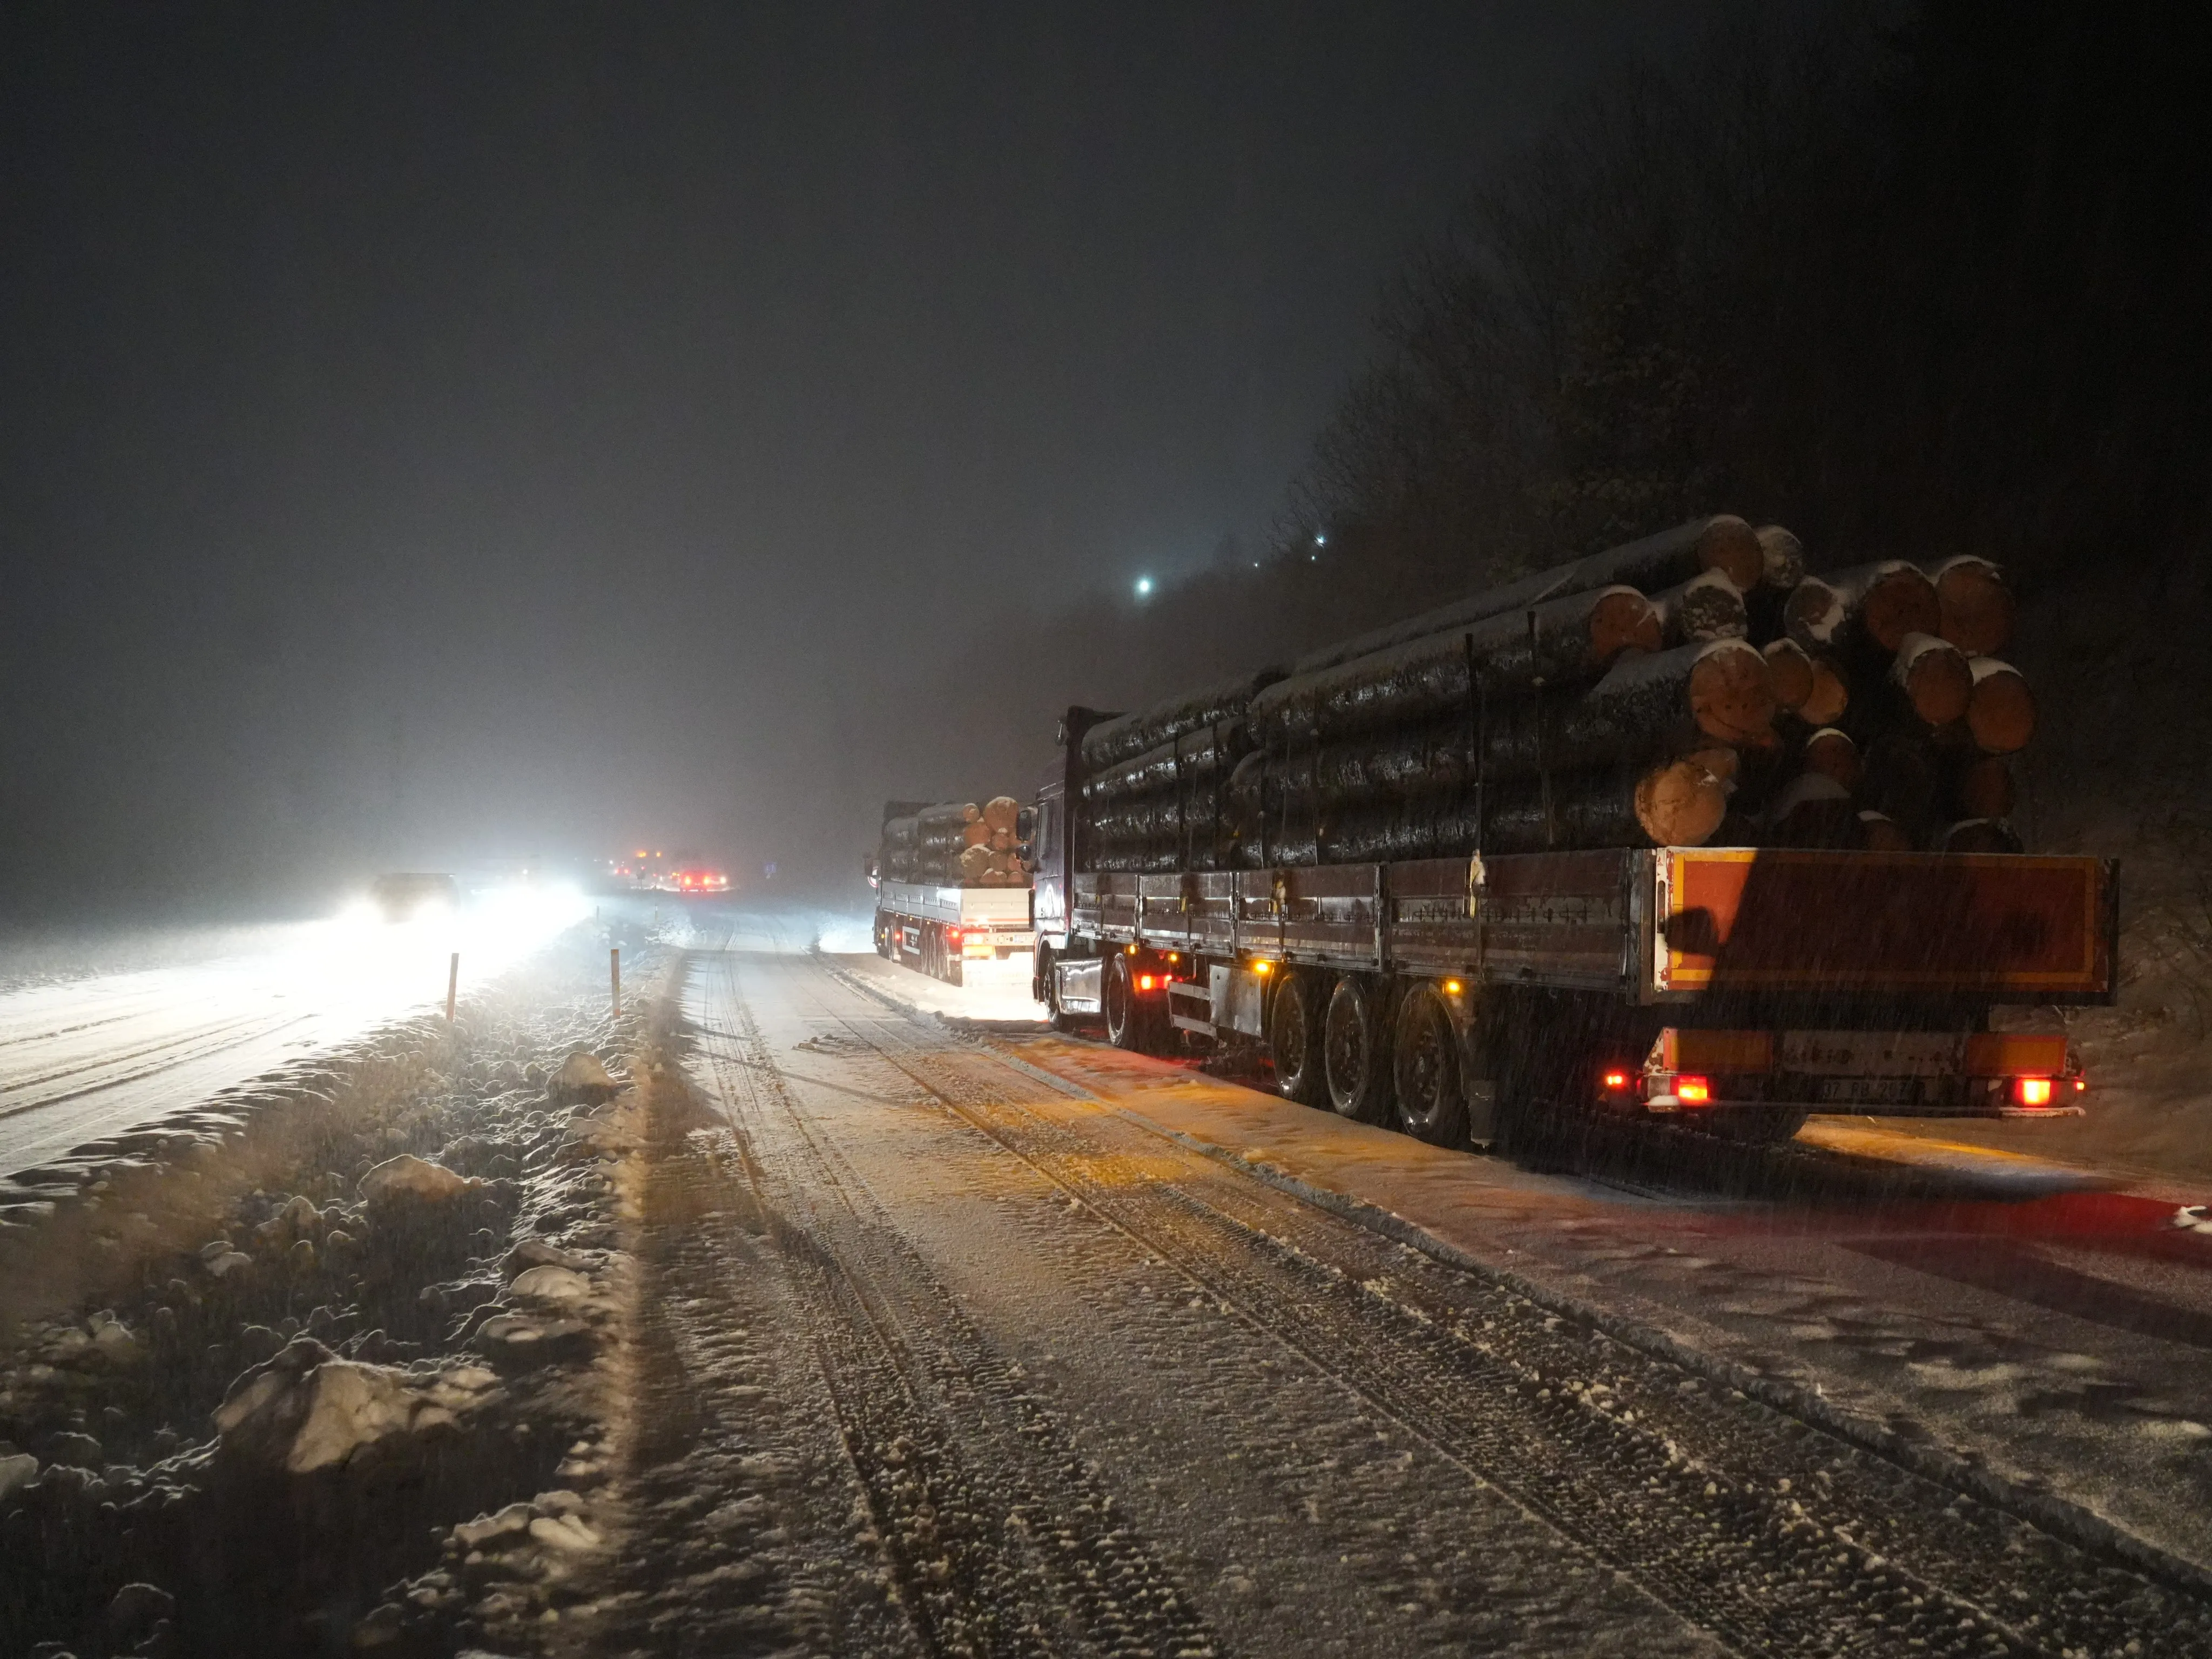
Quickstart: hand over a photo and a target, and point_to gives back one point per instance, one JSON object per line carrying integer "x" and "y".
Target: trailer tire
{"x": 1432, "y": 1106}
{"x": 1294, "y": 1041}
{"x": 1356, "y": 1050}
{"x": 1130, "y": 1021}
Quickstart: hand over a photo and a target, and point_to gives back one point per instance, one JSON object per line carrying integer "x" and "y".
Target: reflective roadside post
{"x": 452, "y": 985}
{"x": 614, "y": 976}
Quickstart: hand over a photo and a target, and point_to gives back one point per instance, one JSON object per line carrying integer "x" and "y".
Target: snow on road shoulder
{"x": 1943, "y": 1331}
{"x": 314, "y": 1327}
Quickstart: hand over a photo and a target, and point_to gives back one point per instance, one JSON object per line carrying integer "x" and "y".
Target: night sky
{"x": 453, "y": 431}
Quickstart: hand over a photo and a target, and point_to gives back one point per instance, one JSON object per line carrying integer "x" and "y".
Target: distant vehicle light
{"x": 1616, "y": 1079}
{"x": 1693, "y": 1090}
{"x": 2031, "y": 1091}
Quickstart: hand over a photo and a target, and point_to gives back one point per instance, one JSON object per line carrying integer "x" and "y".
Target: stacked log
{"x": 1598, "y": 703}
{"x": 953, "y": 843}
{"x": 1696, "y": 687}
{"x": 1922, "y": 717}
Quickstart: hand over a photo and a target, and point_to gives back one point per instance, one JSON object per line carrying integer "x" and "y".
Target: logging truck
{"x": 950, "y": 886}
{"x": 1554, "y": 853}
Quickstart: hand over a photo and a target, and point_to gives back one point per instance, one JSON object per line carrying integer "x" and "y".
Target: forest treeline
{"x": 1914, "y": 281}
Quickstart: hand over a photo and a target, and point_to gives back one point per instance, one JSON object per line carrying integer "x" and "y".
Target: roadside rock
{"x": 79, "y": 1450}
{"x": 581, "y": 1077}
{"x": 308, "y": 1409}
{"x": 537, "y": 1253}
{"x": 133, "y": 1612}
{"x": 512, "y": 1521}
{"x": 407, "y": 1176}
{"x": 516, "y": 1341}
{"x": 551, "y": 1284}
{"x": 16, "y": 1474}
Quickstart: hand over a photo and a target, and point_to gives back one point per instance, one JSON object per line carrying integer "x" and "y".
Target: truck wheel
{"x": 1356, "y": 1051}
{"x": 1128, "y": 1024}
{"x": 1294, "y": 1038}
{"x": 1431, "y": 1106}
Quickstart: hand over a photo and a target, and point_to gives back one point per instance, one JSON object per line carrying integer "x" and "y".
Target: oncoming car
{"x": 403, "y": 895}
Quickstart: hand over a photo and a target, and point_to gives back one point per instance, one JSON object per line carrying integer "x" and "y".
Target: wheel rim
{"x": 1350, "y": 1054}
{"x": 1421, "y": 1088}
{"x": 1117, "y": 1003}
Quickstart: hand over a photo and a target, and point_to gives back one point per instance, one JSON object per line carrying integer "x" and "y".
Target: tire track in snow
{"x": 999, "y": 1538}
{"x": 1764, "y": 1531}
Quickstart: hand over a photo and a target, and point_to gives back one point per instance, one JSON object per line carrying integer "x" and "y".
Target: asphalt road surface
{"x": 975, "y": 1340}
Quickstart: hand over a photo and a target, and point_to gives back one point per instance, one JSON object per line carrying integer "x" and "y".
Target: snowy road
{"x": 97, "y": 1053}
{"x": 961, "y": 1344}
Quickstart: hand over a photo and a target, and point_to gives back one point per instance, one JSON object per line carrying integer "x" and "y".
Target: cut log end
{"x": 1813, "y": 613}
{"x": 1985, "y": 789}
{"x": 1812, "y": 810}
{"x": 1731, "y": 697}
{"x": 1981, "y": 835}
{"x": 1880, "y": 833}
{"x": 1830, "y": 698}
{"x": 2000, "y": 709}
{"x": 1728, "y": 544}
{"x": 1002, "y": 813}
{"x": 1977, "y": 608}
{"x": 1707, "y": 607}
{"x": 1832, "y": 754}
{"x": 1934, "y": 677}
{"x": 1621, "y": 620}
{"x": 1790, "y": 671}
{"x": 1783, "y": 557}
{"x": 1680, "y": 804}
{"x": 1900, "y": 601}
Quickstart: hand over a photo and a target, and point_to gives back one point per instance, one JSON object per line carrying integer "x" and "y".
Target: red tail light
{"x": 1693, "y": 1090}
{"x": 2031, "y": 1091}
{"x": 1614, "y": 1080}
{"x": 1146, "y": 981}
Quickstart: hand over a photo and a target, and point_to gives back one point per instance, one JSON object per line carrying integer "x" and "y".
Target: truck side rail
{"x": 1655, "y": 925}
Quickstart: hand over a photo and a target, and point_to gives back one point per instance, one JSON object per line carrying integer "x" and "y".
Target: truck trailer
{"x": 1194, "y": 883}
{"x": 933, "y": 914}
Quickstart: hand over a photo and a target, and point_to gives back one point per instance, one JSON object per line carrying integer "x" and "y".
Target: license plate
{"x": 1869, "y": 1091}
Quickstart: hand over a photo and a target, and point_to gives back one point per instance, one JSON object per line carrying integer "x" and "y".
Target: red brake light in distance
{"x": 1693, "y": 1090}
{"x": 1616, "y": 1079}
{"x": 2031, "y": 1091}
